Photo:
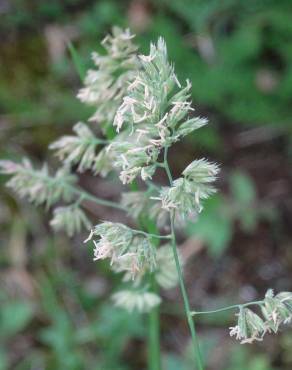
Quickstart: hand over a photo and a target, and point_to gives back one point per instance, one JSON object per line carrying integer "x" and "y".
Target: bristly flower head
{"x": 154, "y": 114}
{"x": 37, "y": 185}
{"x": 277, "y": 309}
{"x": 128, "y": 250}
{"x": 79, "y": 149}
{"x": 187, "y": 193}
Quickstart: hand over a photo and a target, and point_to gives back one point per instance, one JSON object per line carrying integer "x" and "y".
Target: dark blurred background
{"x": 55, "y": 311}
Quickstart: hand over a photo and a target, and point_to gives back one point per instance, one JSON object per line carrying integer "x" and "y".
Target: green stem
{"x": 149, "y": 235}
{"x": 153, "y": 339}
{"x": 154, "y": 362}
{"x": 74, "y": 189}
{"x": 233, "y": 307}
{"x": 166, "y": 166}
{"x": 190, "y": 320}
{"x": 87, "y": 196}
{"x": 79, "y": 66}
{"x": 195, "y": 341}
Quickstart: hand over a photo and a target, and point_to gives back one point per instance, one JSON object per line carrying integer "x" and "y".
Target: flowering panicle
{"x": 38, "y": 186}
{"x": 142, "y": 98}
{"x": 79, "y": 149}
{"x": 154, "y": 114}
{"x": 276, "y": 310}
{"x": 187, "y": 193}
{"x": 106, "y": 85}
{"x": 71, "y": 218}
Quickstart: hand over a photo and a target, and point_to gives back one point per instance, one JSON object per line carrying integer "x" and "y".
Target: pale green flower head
{"x": 79, "y": 149}
{"x": 277, "y": 309}
{"x": 128, "y": 250}
{"x": 37, "y": 185}
{"x": 187, "y": 193}
{"x": 250, "y": 327}
{"x": 154, "y": 113}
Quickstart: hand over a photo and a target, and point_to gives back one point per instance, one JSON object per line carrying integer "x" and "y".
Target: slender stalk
{"x": 74, "y": 189}
{"x": 166, "y": 166}
{"x": 233, "y": 307}
{"x": 87, "y": 196}
{"x": 78, "y": 64}
{"x": 154, "y": 361}
{"x": 190, "y": 320}
{"x": 195, "y": 341}
{"x": 153, "y": 338}
{"x": 149, "y": 235}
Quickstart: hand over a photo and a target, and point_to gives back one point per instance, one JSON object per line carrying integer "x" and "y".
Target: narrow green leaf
{"x": 79, "y": 66}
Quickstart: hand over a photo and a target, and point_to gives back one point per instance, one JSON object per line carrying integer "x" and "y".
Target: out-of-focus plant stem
{"x": 154, "y": 360}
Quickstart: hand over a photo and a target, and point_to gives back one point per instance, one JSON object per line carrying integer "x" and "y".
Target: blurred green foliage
{"x": 216, "y": 224}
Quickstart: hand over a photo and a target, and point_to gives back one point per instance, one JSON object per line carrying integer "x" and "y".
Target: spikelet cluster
{"x": 78, "y": 149}
{"x": 37, "y": 185}
{"x": 186, "y": 194}
{"x": 105, "y": 86}
{"x": 128, "y": 251}
{"x": 275, "y": 309}
{"x": 154, "y": 113}
{"x": 134, "y": 255}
